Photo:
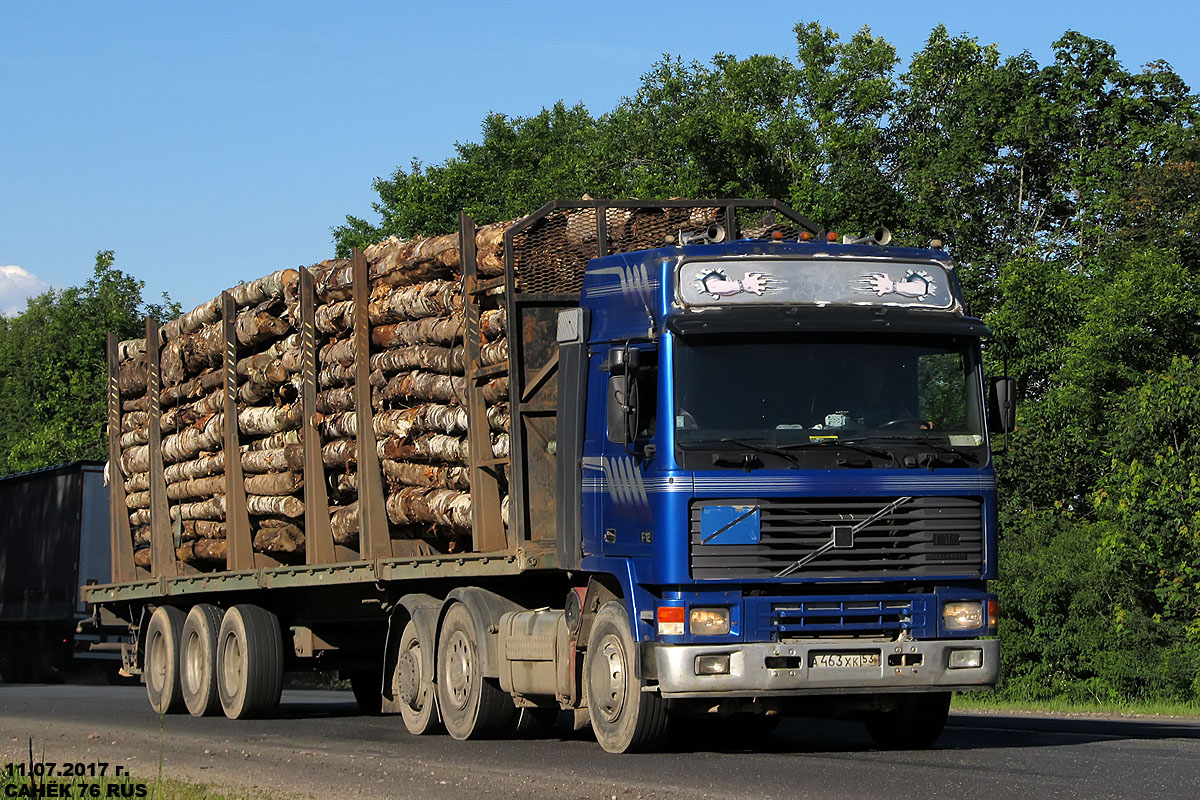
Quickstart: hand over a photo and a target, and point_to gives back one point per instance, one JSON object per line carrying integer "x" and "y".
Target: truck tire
{"x": 412, "y": 688}
{"x": 915, "y": 724}
{"x": 472, "y": 706}
{"x": 161, "y": 661}
{"x": 198, "y": 660}
{"x": 624, "y": 718}
{"x": 249, "y": 662}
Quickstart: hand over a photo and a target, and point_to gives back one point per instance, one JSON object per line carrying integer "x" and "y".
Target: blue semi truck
{"x": 748, "y": 476}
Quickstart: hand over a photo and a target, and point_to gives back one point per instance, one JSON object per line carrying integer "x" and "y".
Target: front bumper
{"x": 791, "y": 669}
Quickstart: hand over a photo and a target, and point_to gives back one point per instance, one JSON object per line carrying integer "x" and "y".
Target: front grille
{"x": 924, "y": 536}
{"x": 884, "y": 617}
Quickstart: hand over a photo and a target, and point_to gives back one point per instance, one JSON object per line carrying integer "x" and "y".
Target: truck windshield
{"x": 796, "y": 394}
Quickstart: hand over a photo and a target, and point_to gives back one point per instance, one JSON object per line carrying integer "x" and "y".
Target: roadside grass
{"x": 989, "y": 701}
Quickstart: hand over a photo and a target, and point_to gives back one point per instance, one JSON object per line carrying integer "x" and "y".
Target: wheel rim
{"x": 459, "y": 669}
{"x": 193, "y": 655}
{"x": 231, "y": 665}
{"x": 157, "y": 655}
{"x": 608, "y": 679}
{"x": 408, "y": 677}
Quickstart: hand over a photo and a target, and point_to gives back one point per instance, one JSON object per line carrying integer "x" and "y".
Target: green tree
{"x": 53, "y": 376}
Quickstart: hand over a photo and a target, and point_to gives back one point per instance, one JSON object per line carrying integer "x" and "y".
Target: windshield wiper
{"x": 778, "y": 452}
{"x": 846, "y": 443}
{"x": 955, "y": 453}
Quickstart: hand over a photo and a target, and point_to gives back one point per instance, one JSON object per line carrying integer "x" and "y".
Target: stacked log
{"x": 417, "y": 395}
{"x": 192, "y": 424}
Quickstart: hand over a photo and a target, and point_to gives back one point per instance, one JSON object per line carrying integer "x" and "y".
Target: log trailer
{"x": 748, "y": 475}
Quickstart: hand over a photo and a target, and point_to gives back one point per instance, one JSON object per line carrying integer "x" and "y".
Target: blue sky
{"x": 208, "y": 143}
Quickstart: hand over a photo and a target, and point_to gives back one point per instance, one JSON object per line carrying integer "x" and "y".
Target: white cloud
{"x": 16, "y": 285}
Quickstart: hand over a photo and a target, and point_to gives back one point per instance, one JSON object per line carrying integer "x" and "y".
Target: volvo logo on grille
{"x": 842, "y": 537}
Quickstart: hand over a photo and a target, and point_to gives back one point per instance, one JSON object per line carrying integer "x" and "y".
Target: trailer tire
{"x": 472, "y": 706}
{"x": 161, "y": 663}
{"x": 624, "y": 718}
{"x": 413, "y": 689}
{"x": 198, "y": 660}
{"x": 915, "y": 724}
{"x": 249, "y": 662}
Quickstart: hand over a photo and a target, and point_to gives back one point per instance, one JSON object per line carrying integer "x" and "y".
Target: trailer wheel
{"x": 472, "y": 706}
{"x": 412, "y": 687}
{"x": 162, "y": 660}
{"x": 249, "y": 662}
{"x": 624, "y": 718}
{"x": 915, "y": 724}
{"x": 198, "y": 660}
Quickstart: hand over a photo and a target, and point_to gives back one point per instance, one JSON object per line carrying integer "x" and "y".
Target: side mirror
{"x": 622, "y": 409}
{"x": 1002, "y": 405}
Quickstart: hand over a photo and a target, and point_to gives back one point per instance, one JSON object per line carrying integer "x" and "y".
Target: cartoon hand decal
{"x": 755, "y": 283}
{"x": 881, "y": 284}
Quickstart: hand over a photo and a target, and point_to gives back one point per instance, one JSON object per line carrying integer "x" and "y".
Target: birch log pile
{"x": 417, "y": 396}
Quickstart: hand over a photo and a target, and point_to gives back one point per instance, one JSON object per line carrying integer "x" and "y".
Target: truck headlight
{"x": 709, "y": 621}
{"x": 963, "y": 615}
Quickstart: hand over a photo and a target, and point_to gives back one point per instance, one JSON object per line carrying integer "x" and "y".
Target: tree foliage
{"x": 53, "y": 378}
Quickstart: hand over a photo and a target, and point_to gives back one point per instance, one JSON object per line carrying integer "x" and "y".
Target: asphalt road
{"x": 320, "y": 747}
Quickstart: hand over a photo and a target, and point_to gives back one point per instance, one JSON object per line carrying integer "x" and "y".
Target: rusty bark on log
{"x": 444, "y": 507}
{"x": 431, "y": 330}
{"x": 335, "y": 318}
{"x": 182, "y": 416}
{"x": 202, "y": 551}
{"x": 278, "y": 536}
{"x": 137, "y": 499}
{"x": 339, "y": 453}
{"x": 431, "y": 299}
{"x": 275, "y": 506}
{"x": 213, "y": 508}
{"x": 202, "y": 529}
{"x": 260, "y": 421}
{"x": 332, "y": 280}
{"x": 130, "y": 349}
{"x": 343, "y": 424}
{"x": 446, "y": 360}
{"x": 333, "y": 400}
{"x": 495, "y": 390}
{"x": 337, "y": 351}
{"x": 253, "y": 393}
{"x": 193, "y": 320}
{"x": 137, "y": 482}
{"x": 283, "y": 459}
{"x": 408, "y": 473}
{"x": 334, "y": 375}
{"x": 273, "y": 286}
{"x": 134, "y": 420}
{"x": 344, "y": 522}
{"x": 134, "y": 437}
{"x": 196, "y": 487}
{"x": 272, "y": 484}
{"x": 493, "y": 323}
{"x": 494, "y": 353}
{"x": 142, "y": 557}
{"x": 200, "y": 385}
{"x": 273, "y": 442}
{"x": 286, "y": 350}
{"x": 132, "y": 376}
{"x": 426, "y": 447}
{"x": 423, "y": 386}
{"x": 197, "y": 468}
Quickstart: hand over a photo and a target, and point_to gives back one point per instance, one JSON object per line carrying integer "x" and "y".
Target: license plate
{"x": 843, "y": 660}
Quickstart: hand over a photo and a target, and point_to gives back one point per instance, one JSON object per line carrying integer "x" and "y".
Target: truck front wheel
{"x": 162, "y": 660}
{"x": 249, "y": 662}
{"x": 624, "y": 718}
{"x": 914, "y": 724}
{"x": 472, "y": 706}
